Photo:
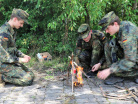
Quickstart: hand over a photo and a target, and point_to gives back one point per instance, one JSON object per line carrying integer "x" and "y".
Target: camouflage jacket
{"x": 127, "y": 38}
{"x": 95, "y": 45}
{"x": 8, "y": 50}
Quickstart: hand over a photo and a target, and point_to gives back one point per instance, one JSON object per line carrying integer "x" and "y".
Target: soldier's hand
{"x": 26, "y": 56}
{"x": 104, "y": 74}
{"x": 23, "y": 60}
{"x": 96, "y": 67}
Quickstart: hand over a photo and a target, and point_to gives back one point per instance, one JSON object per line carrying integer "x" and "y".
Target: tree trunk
{"x": 134, "y": 5}
{"x": 65, "y": 38}
{"x": 87, "y": 17}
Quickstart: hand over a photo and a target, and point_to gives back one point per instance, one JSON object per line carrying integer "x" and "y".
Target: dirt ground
{"x": 94, "y": 90}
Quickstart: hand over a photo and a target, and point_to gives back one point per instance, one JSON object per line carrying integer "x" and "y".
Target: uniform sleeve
{"x": 129, "y": 45}
{"x": 102, "y": 60}
{"x": 4, "y": 55}
{"x": 19, "y": 53}
{"x": 96, "y": 52}
{"x": 78, "y": 50}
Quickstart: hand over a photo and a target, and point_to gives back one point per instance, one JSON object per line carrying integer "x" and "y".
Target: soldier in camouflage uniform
{"x": 89, "y": 47}
{"x": 127, "y": 52}
{"x": 11, "y": 69}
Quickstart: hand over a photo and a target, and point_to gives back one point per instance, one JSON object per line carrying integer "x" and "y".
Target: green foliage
{"x": 54, "y": 23}
{"x": 124, "y": 9}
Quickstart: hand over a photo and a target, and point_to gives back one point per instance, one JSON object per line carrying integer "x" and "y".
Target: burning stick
{"x": 78, "y": 67}
{"x": 78, "y": 75}
{"x": 73, "y": 73}
{"x": 70, "y": 63}
{"x": 85, "y": 74}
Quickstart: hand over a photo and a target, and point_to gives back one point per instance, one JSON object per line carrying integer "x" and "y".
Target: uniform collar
{"x": 10, "y": 29}
{"x": 120, "y": 31}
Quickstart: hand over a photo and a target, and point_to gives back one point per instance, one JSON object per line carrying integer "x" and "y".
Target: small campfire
{"x": 76, "y": 72}
{"x": 79, "y": 81}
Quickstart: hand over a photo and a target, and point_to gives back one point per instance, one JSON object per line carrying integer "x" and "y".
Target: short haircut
{"x": 115, "y": 20}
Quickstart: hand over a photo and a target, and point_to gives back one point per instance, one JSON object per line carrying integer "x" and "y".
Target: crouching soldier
{"x": 126, "y": 40}
{"x": 11, "y": 68}
{"x": 89, "y": 48}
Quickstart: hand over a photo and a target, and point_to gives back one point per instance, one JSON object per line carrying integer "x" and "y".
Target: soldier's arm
{"x": 96, "y": 52}
{"x": 98, "y": 47}
{"x": 4, "y": 55}
{"x": 103, "y": 40}
{"x": 129, "y": 45}
{"x": 102, "y": 60}
{"x": 19, "y": 53}
{"x": 78, "y": 50}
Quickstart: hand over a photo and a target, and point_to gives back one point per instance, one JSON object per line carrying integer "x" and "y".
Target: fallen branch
{"x": 130, "y": 94}
{"x": 115, "y": 96}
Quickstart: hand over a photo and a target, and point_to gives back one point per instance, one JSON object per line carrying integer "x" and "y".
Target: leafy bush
{"x": 54, "y": 23}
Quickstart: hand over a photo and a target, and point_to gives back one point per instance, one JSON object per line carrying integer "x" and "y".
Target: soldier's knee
{"x": 32, "y": 75}
{"x": 81, "y": 58}
{"x": 84, "y": 56}
{"x": 28, "y": 83}
{"x": 28, "y": 79}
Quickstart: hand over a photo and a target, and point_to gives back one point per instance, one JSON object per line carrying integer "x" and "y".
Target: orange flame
{"x": 79, "y": 75}
{"x": 71, "y": 62}
{"x": 79, "y": 70}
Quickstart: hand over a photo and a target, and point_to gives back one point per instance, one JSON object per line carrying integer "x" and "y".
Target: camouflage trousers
{"x": 130, "y": 73}
{"x": 17, "y": 74}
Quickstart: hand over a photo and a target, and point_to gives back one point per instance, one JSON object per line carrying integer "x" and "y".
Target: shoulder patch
{"x": 4, "y": 36}
{"x": 103, "y": 37}
{"x": 124, "y": 40}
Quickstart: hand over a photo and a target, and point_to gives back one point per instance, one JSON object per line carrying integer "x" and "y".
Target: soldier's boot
{"x": 2, "y": 84}
{"x": 92, "y": 74}
{"x": 113, "y": 80}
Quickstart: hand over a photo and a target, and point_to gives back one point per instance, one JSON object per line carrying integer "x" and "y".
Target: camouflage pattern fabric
{"x": 90, "y": 53}
{"x": 21, "y": 14}
{"x": 105, "y": 21}
{"x": 17, "y": 74}
{"x": 84, "y": 30}
{"x": 127, "y": 40}
{"x": 9, "y": 57}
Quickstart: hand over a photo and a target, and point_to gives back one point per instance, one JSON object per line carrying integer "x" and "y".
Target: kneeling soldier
{"x": 11, "y": 69}
{"x": 126, "y": 41}
{"x": 89, "y": 47}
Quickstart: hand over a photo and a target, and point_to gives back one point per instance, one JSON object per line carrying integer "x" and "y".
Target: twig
{"x": 86, "y": 75}
{"x": 103, "y": 92}
{"x": 72, "y": 74}
{"x": 118, "y": 87}
{"x": 90, "y": 79}
{"x": 120, "y": 97}
{"x": 132, "y": 94}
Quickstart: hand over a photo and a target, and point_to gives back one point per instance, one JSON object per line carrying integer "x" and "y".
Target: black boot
{"x": 113, "y": 80}
{"x": 91, "y": 74}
